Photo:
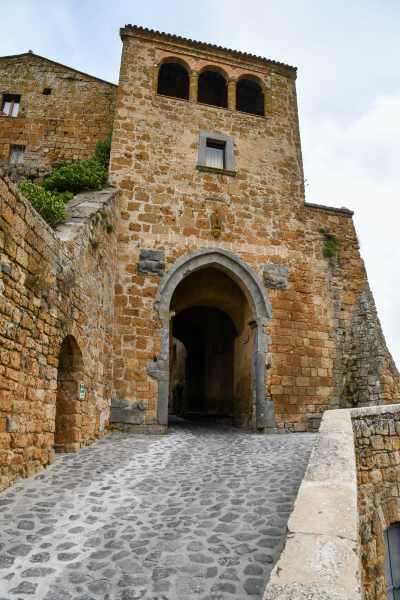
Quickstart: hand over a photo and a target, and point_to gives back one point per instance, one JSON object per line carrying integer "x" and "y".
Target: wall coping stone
{"x": 321, "y": 553}
{"x": 80, "y": 209}
{"x": 343, "y": 209}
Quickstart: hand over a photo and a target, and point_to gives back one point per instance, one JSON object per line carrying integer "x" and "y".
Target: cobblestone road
{"x": 198, "y": 514}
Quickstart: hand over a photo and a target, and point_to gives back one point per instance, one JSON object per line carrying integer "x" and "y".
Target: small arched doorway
{"x": 213, "y": 360}
{"x": 70, "y": 395}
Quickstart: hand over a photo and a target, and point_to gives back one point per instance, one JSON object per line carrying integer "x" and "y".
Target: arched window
{"x": 249, "y": 97}
{"x": 173, "y": 81}
{"x": 212, "y": 89}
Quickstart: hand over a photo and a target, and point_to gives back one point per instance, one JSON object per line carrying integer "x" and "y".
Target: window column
{"x": 193, "y": 85}
{"x": 156, "y": 69}
{"x": 267, "y": 102}
{"x": 232, "y": 94}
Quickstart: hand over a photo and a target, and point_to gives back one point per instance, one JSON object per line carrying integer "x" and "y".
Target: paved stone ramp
{"x": 200, "y": 513}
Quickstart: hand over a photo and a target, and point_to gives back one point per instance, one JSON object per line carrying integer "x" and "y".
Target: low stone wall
{"x": 320, "y": 558}
{"x": 53, "y": 290}
{"x": 350, "y": 494}
{"x": 377, "y": 442}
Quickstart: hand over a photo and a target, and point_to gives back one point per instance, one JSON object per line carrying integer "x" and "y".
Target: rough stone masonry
{"x": 306, "y": 334}
{"x": 210, "y": 244}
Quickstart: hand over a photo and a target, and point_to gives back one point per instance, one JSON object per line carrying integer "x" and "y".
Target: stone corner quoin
{"x": 210, "y": 296}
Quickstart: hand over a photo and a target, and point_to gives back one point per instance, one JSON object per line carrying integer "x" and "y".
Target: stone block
{"x": 126, "y": 415}
{"x": 11, "y": 426}
{"x": 151, "y": 262}
{"x": 275, "y": 276}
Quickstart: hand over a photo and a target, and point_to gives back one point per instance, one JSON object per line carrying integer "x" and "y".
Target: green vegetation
{"x": 102, "y": 151}
{"x": 110, "y": 228}
{"x": 49, "y": 205}
{"x": 69, "y": 179}
{"x": 96, "y": 244}
{"x": 77, "y": 177}
{"x": 331, "y": 244}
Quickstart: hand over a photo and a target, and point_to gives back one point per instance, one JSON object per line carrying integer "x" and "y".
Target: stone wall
{"x": 326, "y": 344}
{"x": 377, "y": 443}
{"x": 320, "y": 557}
{"x": 349, "y": 496}
{"x": 52, "y": 291}
{"x": 63, "y": 125}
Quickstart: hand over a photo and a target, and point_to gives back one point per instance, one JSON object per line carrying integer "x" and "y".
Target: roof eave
{"x": 53, "y": 62}
{"x": 167, "y": 37}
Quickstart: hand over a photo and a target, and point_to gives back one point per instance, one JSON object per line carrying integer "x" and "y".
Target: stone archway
{"x": 260, "y": 309}
{"x": 69, "y": 414}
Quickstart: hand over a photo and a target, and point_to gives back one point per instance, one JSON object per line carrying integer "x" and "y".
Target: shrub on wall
{"x": 77, "y": 177}
{"x": 50, "y": 196}
{"x": 102, "y": 151}
{"x": 49, "y": 205}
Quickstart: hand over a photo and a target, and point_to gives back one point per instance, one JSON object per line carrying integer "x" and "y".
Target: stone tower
{"x": 235, "y": 300}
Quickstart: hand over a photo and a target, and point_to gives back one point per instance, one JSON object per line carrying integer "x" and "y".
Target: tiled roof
{"x": 178, "y": 38}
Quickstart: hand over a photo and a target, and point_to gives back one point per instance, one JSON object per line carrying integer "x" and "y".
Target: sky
{"x": 347, "y": 53}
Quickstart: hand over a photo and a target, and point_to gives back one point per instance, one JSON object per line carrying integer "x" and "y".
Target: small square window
{"x": 10, "y": 105}
{"x": 16, "y": 155}
{"x": 215, "y": 155}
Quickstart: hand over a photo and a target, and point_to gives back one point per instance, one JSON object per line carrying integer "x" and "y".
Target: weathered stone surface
{"x": 151, "y": 262}
{"x": 141, "y": 514}
{"x": 319, "y": 306}
{"x": 66, "y": 123}
{"x": 75, "y": 298}
{"x": 321, "y": 547}
{"x": 275, "y": 276}
{"x": 377, "y": 445}
{"x": 126, "y": 415}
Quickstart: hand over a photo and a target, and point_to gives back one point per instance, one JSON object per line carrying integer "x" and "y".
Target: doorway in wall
{"x": 211, "y": 351}
{"x": 69, "y": 413}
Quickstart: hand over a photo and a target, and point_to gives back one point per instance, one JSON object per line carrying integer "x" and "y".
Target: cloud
{"x": 348, "y": 55}
{"x": 356, "y": 164}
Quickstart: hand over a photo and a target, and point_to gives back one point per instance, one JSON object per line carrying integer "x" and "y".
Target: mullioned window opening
{"x": 173, "y": 81}
{"x": 249, "y": 97}
{"x": 212, "y": 89}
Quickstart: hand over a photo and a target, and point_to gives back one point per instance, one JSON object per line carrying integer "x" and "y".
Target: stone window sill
{"x": 217, "y": 171}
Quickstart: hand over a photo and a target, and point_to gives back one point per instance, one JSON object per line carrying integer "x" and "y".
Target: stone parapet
{"x": 320, "y": 557}
{"x": 349, "y": 495}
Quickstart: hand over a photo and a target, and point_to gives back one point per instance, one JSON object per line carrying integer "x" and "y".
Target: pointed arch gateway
{"x": 259, "y": 309}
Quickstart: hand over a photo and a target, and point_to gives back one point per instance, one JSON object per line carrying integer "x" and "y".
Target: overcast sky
{"x": 347, "y": 53}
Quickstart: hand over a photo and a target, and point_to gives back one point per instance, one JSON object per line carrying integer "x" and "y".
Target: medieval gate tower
{"x": 201, "y": 284}
{"x": 232, "y": 292}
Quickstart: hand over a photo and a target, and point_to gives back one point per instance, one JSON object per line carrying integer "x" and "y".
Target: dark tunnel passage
{"x": 204, "y": 362}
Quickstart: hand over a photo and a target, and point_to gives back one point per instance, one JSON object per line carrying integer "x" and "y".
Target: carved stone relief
{"x": 275, "y": 276}
{"x": 151, "y": 262}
